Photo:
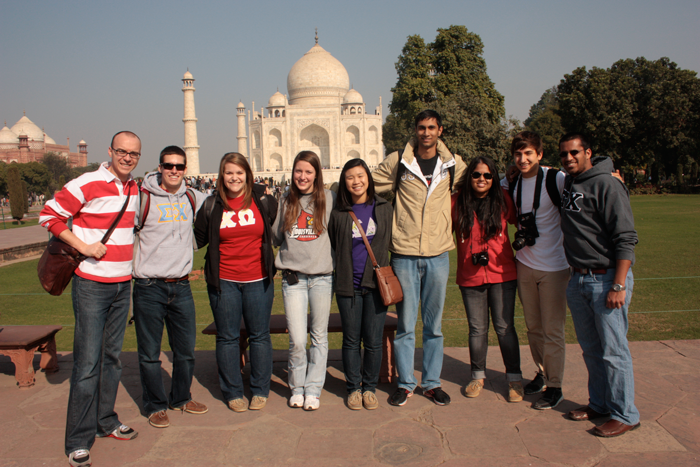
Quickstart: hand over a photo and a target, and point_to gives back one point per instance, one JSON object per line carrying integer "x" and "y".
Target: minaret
{"x": 242, "y": 138}
{"x": 191, "y": 146}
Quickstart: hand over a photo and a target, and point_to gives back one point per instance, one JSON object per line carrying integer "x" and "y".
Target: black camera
{"x": 481, "y": 258}
{"x": 290, "y": 276}
{"x": 528, "y": 231}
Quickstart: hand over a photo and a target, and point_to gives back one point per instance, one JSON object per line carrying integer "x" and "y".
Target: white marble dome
{"x": 188, "y": 75}
{"x": 240, "y": 105}
{"x": 26, "y": 127}
{"x": 48, "y": 139}
{"x": 353, "y": 97}
{"x": 8, "y": 137}
{"x": 277, "y": 100}
{"x": 82, "y": 141}
{"x": 317, "y": 78}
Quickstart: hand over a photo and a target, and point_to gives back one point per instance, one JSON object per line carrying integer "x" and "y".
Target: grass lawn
{"x": 13, "y": 224}
{"x": 665, "y": 304}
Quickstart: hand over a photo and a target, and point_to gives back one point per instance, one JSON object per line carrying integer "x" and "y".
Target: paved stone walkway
{"x": 486, "y": 431}
{"x": 10, "y": 238}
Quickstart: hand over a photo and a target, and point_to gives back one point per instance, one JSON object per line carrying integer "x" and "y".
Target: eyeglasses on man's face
{"x": 171, "y": 166}
{"x": 573, "y": 152}
{"x": 122, "y": 153}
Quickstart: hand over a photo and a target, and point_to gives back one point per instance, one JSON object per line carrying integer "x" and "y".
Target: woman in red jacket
{"x": 486, "y": 272}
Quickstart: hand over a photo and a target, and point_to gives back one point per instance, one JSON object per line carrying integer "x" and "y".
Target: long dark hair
{"x": 241, "y": 161}
{"x": 292, "y": 206}
{"x": 488, "y": 210}
{"x": 344, "y": 199}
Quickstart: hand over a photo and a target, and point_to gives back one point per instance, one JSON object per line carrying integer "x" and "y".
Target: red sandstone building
{"x": 26, "y": 142}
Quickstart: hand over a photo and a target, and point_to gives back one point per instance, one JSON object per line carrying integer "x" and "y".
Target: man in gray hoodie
{"x": 163, "y": 256}
{"x": 599, "y": 241}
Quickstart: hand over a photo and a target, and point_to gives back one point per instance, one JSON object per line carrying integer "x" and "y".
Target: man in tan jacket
{"x": 422, "y": 177}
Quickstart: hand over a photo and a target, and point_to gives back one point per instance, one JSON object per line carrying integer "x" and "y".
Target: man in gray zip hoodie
{"x": 162, "y": 263}
{"x": 599, "y": 241}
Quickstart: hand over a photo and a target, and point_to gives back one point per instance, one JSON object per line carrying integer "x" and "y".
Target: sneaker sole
{"x": 529, "y": 393}
{"x": 402, "y": 403}
{"x": 122, "y": 439}
{"x": 441, "y": 404}
{"x": 547, "y": 407}
{"x": 158, "y": 426}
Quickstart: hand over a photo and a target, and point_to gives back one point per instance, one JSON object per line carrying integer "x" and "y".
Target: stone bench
{"x": 278, "y": 325}
{"x": 20, "y": 342}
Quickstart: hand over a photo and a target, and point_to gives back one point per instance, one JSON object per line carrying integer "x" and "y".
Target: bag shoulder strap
{"x": 451, "y": 171}
{"x": 193, "y": 202}
{"x": 119, "y": 217}
{"x": 552, "y": 190}
{"x": 400, "y": 169}
{"x": 364, "y": 239}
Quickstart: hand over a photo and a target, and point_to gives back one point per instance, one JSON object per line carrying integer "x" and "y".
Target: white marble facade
{"x": 322, "y": 115}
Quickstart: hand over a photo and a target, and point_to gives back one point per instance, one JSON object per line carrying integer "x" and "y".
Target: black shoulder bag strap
{"x": 552, "y": 189}
{"x": 119, "y": 217}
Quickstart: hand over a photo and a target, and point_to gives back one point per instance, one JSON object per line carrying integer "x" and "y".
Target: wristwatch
{"x": 618, "y": 288}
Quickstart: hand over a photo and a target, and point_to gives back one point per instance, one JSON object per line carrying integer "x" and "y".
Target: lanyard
{"x": 538, "y": 192}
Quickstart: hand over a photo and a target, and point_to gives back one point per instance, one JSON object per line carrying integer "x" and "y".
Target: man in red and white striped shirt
{"x": 101, "y": 290}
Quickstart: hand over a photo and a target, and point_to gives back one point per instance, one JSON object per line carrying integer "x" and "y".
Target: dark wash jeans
{"x": 101, "y": 310}
{"x": 500, "y": 299}
{"x": 363, "y": 317}
{"x": 253, "y": 302}
{"x": 157, "y": 302}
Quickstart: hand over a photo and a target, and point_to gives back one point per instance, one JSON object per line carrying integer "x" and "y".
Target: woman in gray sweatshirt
{"x": 306, "y": 261}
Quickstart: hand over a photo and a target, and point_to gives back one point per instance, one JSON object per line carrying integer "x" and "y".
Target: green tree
{"x": 78, "y": 171}
{"x": 546, "y": 122}
{"x": 3, "y": 178}
{"x": 57, "y": 166}
{"x": 638, "y": 112}
{"x": 448, "y": 75}
{"x": 14, "y": 183}
{"x": 36, "y": 175}
{"x": 25, "y": 197}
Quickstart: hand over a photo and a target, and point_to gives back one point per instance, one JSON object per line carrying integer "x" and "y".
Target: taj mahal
{"x": 321, "y": 113}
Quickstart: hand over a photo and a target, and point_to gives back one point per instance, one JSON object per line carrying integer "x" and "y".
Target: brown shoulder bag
{"x": 387, "y": 282}
{"x": 60, "y": 260}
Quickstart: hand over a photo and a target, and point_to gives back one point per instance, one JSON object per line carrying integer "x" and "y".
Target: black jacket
{"x": 208, "y": 225}
{"x": 340, "y": 233}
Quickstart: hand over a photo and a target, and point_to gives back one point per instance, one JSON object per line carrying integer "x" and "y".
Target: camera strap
{"x": 538, "y": 193}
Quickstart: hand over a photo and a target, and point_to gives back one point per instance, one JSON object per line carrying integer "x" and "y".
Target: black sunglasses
{"x": 477, "y": 175}
{"x": 573, "y": 152}
{"x": 169, "y": 166}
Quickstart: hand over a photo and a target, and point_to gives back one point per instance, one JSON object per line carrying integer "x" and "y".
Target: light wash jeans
{"x": 424, "y": 281}
{"x": 602, "y": 334}
{"x": 314, "y": 291}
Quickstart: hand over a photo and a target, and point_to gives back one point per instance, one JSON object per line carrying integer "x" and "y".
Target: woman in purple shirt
{"x": 362, "y": 311}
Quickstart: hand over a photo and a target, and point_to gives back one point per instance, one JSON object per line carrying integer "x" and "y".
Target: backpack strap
{"x": 144, "y": 205}
{"x": 551, "y": 184}
{"x": 193, "y": 203}
{"x": 451, "y": 171}
{"x": 400, "y": 170}
{"x": 511, "y": 187}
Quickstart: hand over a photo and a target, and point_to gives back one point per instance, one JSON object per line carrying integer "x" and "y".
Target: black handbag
{"x": 60, "y": 260}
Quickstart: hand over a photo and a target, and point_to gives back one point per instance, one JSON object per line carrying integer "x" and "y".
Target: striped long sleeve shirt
{"x": 94, "y": 200}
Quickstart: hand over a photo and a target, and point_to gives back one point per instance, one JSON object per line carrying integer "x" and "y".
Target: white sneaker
{"x": 296, "y": 401}
{"x": 79, "y": 458}
{"x": 311, "y": 403}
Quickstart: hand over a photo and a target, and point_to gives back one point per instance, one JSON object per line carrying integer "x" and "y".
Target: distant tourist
{"x": 306, "y": 262}
{"x": 236, "y": 223}
{"x": 422, "y": 176}
{"x": 162, "y": 295}
{"x": 486, "y": 272}
{"x": 362, "y": 310}
{"x": 599, "y": 241}
{"x": 101, "y": 291}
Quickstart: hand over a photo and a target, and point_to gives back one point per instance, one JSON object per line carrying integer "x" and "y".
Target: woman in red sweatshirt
{"x": 486, "y": 272}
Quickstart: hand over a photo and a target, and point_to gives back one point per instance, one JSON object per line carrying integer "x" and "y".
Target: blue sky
{"x": 86, "y": 69}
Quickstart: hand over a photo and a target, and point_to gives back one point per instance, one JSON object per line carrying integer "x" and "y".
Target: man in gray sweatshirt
{"x": 163, "y": 256}
{"x": 599, "y": 241}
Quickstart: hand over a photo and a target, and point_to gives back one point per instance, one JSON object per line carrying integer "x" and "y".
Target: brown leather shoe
{"x": 159, "y": 419}
{"x": 585, "y": 413}
{"x": 613, "y": 428}
{"x": 192, "y": 407}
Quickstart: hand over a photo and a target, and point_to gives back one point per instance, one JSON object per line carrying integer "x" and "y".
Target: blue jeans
{"x": 424, "y": 281}
{"x": 500, "y": 299}
{"x": 363, "y": 317}
{"x": 101, "y": 310}
{"x": 602, "y": 334}
{"x": 157, "y": 302}
{"x": 314, "y": 291}
{"x": 251, "y": 301}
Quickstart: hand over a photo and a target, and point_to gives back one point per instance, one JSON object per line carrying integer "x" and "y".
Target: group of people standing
{"x": 574, "y": 230}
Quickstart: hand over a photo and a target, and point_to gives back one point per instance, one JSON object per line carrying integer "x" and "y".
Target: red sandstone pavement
{"x": 486, "y": 431}
{"x": 10, "y": 238}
